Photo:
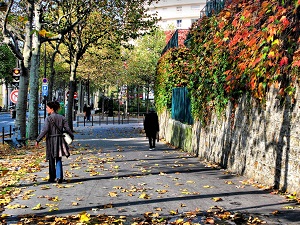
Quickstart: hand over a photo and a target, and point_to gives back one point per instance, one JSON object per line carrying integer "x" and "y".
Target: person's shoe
{"x": 59, "y": 180}
{"x": 150, "y": 149}
{"x": 153, "y": 148}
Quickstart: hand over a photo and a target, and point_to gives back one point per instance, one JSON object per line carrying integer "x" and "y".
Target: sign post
{"x": 14, "y": 96}
{"x": 45, "y": 93}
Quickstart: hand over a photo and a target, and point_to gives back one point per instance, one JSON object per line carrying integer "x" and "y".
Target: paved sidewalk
{"x": 112, "y": 172}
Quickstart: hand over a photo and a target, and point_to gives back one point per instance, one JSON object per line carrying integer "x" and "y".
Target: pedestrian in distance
{"x": 87, "y": 112}
{"x": 56, "y": 147}
{"x": 151, "y": 127}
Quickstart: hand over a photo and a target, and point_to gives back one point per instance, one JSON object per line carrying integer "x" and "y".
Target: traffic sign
{"x": 75, "y": 94}
{"x": 45, "y": 80}
{"x": 14, "y": 96}
{"x": 45, "y": 89}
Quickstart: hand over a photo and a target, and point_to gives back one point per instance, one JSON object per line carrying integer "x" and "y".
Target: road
{"x": 8, "y": 123}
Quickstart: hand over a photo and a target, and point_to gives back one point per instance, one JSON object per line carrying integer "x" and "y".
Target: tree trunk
{"x": 72, "y": 88}
{"x": 52, "y": 71}
{"x": 24, "y": 78}
{"x": 33, "y": 117}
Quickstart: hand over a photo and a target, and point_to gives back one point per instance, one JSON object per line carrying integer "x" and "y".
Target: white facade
{"x": 177, "y": 14}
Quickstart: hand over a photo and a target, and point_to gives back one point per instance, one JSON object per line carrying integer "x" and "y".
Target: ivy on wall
{"x": 246, "y": 48}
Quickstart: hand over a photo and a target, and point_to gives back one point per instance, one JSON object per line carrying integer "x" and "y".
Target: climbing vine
{"x": 246, "y": 48}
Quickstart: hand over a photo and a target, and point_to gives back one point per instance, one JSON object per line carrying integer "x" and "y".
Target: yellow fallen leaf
{"x": 229, "y": 182}
{"x": 113, "y": 194}
{"x": 4, "y": 215}
{"x": 190, "y": 182}
{"x": 162, "y": 191}
{"x": 84, "y": 217}
{"x": 45, "y": 187}
{"x": 37, "y": 207}
{"x": 217, "y": 199}
{"x": 144, "y": 196}
{"x": 173, "y": 212}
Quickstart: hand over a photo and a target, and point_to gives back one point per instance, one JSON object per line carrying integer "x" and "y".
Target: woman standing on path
{"x": 56, "y": 147}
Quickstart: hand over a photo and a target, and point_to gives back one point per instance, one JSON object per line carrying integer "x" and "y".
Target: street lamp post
{"x": 45, "y": 75}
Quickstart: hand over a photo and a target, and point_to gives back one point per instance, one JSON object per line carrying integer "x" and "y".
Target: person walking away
{"x": 88, "y": 113}
{"x": 56, "y": 147}
{"x": 151, "y": 127}
{"x": 84, "y": 110}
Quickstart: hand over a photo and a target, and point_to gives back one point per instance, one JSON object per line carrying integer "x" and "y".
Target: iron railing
{"x": 212, "y": 7}
{"x": 172, "y": 43}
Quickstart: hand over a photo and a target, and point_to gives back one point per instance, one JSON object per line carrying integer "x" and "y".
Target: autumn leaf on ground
{"x": 190, "y": 182}
{"x": 113, "y": 194}
{"x": 144, "y": 196}
{"x": 162, "y": 191}
{"x": 84, "y": 217}
{"x": 217, "y": 199}
{"x": 75, "y": 203}
{"x": 173, "y": 212}
{"x": 45, "y": 187}
{"x": 117, "y": 187}
{"x": 16, "y": 206}
{"x": 207, "y": 186}
{"x": 229, "y": 182}
{"x": 53, "y": 209}
{"x": 54, "y": 199}
{"x": 209, "y": 221}
{"x": 37, "y": 207}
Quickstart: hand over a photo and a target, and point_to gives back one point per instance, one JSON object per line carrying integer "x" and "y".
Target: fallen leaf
{"x": 144, "y": 196}
{"x": 37, "y": 207}
{"x": 217, "y": 199}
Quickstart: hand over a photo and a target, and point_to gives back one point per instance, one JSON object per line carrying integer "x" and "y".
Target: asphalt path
{"x": 111, "y": 171}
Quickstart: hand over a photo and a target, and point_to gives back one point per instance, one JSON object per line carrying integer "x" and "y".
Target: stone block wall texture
{"x": 259, "y": 143}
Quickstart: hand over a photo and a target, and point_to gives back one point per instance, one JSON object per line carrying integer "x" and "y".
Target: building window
{"x": 179, "y": 23}
{"x": 179, "y": 8}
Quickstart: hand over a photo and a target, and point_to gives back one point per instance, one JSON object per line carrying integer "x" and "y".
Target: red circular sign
{"x": 14, "y": 96}
{"x": 75, "y": 94}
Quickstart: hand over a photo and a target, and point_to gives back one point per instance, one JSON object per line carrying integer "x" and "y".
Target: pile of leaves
{"x": 24, "y": 163}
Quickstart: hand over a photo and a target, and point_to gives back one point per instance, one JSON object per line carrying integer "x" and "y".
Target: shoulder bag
{"x": 65, "y": 135}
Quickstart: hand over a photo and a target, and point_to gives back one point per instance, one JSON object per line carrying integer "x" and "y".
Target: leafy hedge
{"x": 246, "y": 48}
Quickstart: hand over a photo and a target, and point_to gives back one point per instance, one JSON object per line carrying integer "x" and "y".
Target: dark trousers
{"x": 55, "y": 168}
{"x": 152, "y": 139}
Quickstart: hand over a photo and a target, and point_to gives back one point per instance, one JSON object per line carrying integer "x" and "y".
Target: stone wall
{"x": 262, "y": 144}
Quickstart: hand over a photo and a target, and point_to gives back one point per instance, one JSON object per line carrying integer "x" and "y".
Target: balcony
{"x": 212, "y": 7}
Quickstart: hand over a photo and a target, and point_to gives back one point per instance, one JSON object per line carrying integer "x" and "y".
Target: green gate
{"x": 181, "y": 105}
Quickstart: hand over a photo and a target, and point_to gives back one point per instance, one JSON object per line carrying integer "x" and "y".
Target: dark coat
{"x": 55, "y": 144}
{"x": 151, "y": 125}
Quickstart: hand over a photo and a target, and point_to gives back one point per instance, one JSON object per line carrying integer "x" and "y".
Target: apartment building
{"x": 177, "y": 14}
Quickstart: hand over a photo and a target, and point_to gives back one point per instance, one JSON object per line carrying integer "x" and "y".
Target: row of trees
{"x": 76, "y": 33}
